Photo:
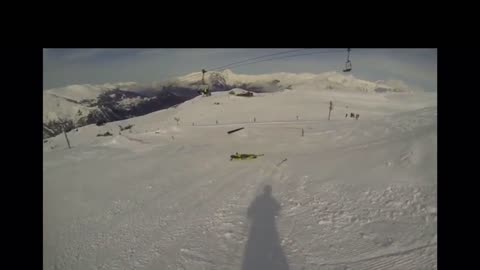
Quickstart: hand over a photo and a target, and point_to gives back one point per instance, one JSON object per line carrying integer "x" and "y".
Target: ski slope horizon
{"x": 90, "y": 91}
{"x": 63, "y": 103}
{"x": 351, "y": 194}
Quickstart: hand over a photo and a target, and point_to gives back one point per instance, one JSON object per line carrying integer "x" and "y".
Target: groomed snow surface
{"x": 352, "y": 194}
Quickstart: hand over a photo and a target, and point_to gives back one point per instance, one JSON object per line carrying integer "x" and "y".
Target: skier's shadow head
{"x": 267, "y": 190}
{"x": 263, "y": 249}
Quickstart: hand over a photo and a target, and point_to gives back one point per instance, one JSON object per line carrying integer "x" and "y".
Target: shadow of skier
{"x": 263, "y": 249}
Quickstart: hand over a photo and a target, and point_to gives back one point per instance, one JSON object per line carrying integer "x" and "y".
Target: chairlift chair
{"x": 348, "y": 66}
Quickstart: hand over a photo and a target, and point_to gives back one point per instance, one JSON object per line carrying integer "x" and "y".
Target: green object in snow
{"x": 244, "y": 156}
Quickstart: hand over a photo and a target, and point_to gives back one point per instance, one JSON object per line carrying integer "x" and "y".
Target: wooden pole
{"x": 330, "y": 110}
{"x": 235, "y": 130}
{"x": 66, "y": 138}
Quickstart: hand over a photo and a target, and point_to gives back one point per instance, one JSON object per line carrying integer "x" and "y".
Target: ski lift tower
{"x": 203, "y": 76}
{"x": 348, "y": 64}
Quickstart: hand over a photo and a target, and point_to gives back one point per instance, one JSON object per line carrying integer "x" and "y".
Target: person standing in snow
{"x": 207, "y": 92}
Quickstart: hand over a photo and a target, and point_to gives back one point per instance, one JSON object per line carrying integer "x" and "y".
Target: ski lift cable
{"x": 254, "y": 58}
{"x": 286, "y": 56}
{"x": 245, "y": 62}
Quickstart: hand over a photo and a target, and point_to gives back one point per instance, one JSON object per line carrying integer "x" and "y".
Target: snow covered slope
{"x": 78, "y": 105}
{"x": 352, "y": 194}
{"x": 73, "y": 108}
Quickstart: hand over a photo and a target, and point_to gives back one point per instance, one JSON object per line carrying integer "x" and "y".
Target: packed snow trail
{"x": 352, "y": 195}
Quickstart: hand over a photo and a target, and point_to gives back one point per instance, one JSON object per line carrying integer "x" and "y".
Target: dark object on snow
{"x": 346, "y": 115}
{"x": 101, "y": 122}
{"x": 330, "y": 109}
{"x": 206, "y": 92}
{"x": 66, "y": 138}
{"x": 357, "y": 116}
{"x": 244, "y": 156}
{"x": 235, "y": 130}
{"x": 281, "y": 162}
{"x": 216, "y": 103}
{"x": 352, "y": 115}
{"x": 247, "y": 94}
{"x": 45, "y": 141}
{"x": 105, "y": 134}
{"x": 125, "y": 128}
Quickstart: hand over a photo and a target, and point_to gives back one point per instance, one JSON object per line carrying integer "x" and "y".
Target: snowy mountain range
{"x": 79, "y": 105}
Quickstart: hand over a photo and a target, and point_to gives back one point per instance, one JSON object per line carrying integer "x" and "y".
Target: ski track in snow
{"x": 353, "y": 194}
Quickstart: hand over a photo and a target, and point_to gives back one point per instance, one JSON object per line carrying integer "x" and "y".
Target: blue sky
{"x": 62, "y": 67}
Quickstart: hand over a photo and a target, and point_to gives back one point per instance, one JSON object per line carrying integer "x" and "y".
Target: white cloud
{"x": 71, "y": 66}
